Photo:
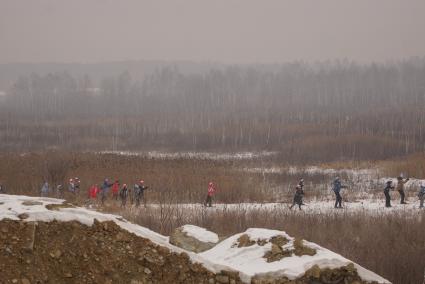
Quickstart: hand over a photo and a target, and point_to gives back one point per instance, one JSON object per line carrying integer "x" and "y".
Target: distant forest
{"x": 309, "y": 112}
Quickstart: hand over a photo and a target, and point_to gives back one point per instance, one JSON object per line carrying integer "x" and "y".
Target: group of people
{"x": 400, "y": 188}
{"x": 119, "y": 192}
{"x": 136, "y": 194}
{"x": 337, "y": 187}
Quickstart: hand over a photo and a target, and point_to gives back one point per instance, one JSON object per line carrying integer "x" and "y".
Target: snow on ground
{"x": 200, "y": 234}
{"x": 222, "y": 257}
{"x": 250, "y": 260}
{"x": 312, "y": 207}
{"x": 194, "y": 155}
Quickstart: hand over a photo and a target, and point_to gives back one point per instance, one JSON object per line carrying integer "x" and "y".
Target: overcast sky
{"x": 229, "y": 31}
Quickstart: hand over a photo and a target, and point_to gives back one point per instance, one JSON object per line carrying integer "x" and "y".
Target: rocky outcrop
{"x": 181, "y": 238}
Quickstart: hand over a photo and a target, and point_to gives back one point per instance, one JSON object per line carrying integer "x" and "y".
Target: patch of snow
{"x": 365, "y": 206}
{"x": 200, "y": 234}
{"x": 194, "y": 155}
{"x": 250, "y": 260}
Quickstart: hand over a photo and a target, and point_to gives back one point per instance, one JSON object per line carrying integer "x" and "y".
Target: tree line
{"x": 309, "y": 112}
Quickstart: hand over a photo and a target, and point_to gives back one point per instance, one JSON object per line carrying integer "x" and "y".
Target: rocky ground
{"x": 69, "y": 252}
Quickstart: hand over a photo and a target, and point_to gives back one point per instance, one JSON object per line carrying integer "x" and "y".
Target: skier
{"x": 211, "y": 191}
{"x": 421, "y": 194}
{"x": 387, "y": 193}
{"x": 59, "y": 191}
{"x": 298, "y": 197}
{"x": 336, "y": 187}
{"x": 115, "y": 189}
{"x": 400, "y": 188}
{"x": 104, "y": 189}
{"x": 2, "y": 188}
{"x": 139, "y": 192}
{"x": 45, "y": 189}
{"x": 71, "y": 186}
{"x": 123, "y": 195}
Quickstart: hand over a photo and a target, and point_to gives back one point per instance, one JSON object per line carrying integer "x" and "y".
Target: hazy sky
{"x": 217, "y": 30}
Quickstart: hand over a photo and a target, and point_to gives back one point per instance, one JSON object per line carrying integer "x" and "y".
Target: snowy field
{"x": 313, "y": 207}
{"x": 194, "y": 155}
{"x": 248, "y": 261}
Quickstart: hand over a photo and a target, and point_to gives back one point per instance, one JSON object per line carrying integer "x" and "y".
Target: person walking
{"x": 400, "y": 188}
{"x": 387, "y": 189}
{"x": 77, "y": 184}
{"x": 298, "y": 197}
{"x": 59, "y": 191}
{"x": 45, "y": 189}
{"x": 104, "y": 190}
{"x": 336, "y": 187}
{"x": 71, "y": 186}
{"x": 140, "y": 193}
{"x": 93, "y": 191}
{"x": 123, "y": 195}
{"x": 210, "y": 194}
{"x": 115, "y": 189}
{"x": 421, "y": 194}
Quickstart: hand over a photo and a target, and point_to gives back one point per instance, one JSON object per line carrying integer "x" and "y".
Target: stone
{"x": 182, "y": 240}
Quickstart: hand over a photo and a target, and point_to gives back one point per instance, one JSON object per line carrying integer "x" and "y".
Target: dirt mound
{"x": 70, "y": 252}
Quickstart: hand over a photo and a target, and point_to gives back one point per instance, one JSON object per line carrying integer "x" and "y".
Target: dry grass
{"x": 186, "y": 179}
{"x": 411, "y": 166}
{"x": 391, "y": 245}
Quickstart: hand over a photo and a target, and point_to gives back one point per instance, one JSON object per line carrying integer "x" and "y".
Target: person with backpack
{"x": 400, "y": 188}
{"x": 139, "y": 191}
{"x": 59, "y": 191}
{"x": 387, "y": 189}
{"x": 77, "y": 184}
{"x": 123, "y": 195}
{"x": 210, "y": 194}
{"x": 45, "y": 189}
{"x": 421, "y": 194}
{"x": 71, "y": 186}
{"x": 115, "y": 189}
{"x": 104, "y": 189}
{"x": 336, "y": 187}
{"x": 298, "y": 197}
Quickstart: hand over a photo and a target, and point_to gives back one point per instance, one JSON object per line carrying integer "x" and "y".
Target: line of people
{"x": 137, "y": 193}
{"x": 122, "y": 193}
{"x": 337, "y": 186}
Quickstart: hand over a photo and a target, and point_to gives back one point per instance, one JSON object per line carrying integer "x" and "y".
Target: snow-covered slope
{"x": 248, "y": 261}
